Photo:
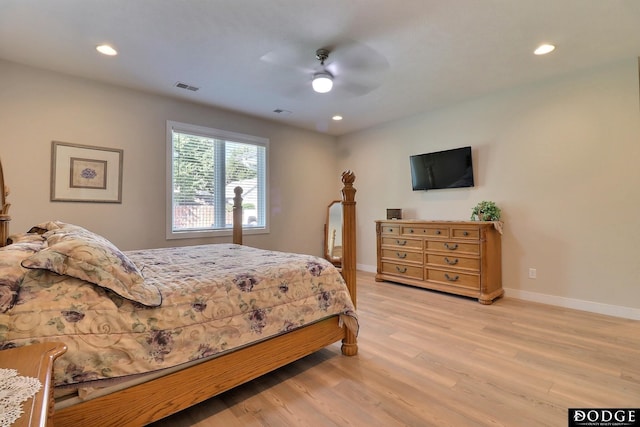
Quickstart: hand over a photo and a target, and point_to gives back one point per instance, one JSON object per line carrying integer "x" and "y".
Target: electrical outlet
{"x": 532, "y": 273}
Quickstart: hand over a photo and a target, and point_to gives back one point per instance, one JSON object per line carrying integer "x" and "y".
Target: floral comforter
{"x": 213, "y": 298}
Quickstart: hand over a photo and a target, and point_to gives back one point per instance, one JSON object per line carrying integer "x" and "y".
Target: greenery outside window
{"x": 204, "y": 166}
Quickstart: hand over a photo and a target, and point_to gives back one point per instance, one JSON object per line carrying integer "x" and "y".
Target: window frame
{"x": 214, "y": 134}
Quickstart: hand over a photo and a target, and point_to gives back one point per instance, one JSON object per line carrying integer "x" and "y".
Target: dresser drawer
{"x": 453, "y": 247}
{"x": 453, "y": 278}
{"x": 402, "y": 242}
{"x": 402, "y": 255}
{"x": 430, "y": 231}
{"x": 403, "y": 270}
{"x": 465, "y": 233}
{"x": 389, "y": 229}
{"x": 453, "y": 261}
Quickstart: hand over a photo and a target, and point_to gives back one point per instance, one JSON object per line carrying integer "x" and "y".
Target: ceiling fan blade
{"x": 355, "y": 88}
{"x": 297, "y": 57}
{"x": 357, "y": 57}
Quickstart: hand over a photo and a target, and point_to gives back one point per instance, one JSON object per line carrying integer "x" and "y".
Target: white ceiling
{"x": 392, "y": 59}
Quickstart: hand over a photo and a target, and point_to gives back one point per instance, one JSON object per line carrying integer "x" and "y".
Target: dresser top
{"x": 425, "y": 221}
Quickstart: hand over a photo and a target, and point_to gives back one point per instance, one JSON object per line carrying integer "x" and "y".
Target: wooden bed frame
{"x": 153, "y": 400}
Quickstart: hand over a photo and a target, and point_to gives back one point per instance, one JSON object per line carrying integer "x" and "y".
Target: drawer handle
{"x": 401, "y": 256}
{"x": 465, "y": 233}
{"x": 391, "y": 230}
{"x": 437, "y": 231}
{"x": 452, "y": 247}
{"x": 411, "y": 230}
{"x": 451, "y": 279}
{"x": 401, "y": 242}
{"x": 401, "y": 270}
{"x": 451, "y": 262}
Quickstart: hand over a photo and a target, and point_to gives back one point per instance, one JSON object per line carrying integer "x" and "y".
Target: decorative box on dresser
{"x": 459, "y": 257}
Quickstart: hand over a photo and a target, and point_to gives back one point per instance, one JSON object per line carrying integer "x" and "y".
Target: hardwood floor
{"x": 432, "y": 359}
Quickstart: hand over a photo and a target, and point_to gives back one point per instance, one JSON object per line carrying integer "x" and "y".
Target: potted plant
{"x": 485, "y": 211}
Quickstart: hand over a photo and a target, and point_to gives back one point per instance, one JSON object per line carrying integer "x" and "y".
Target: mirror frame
{"x": 330, "y": 237}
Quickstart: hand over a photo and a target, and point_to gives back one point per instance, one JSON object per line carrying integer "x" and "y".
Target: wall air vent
{"x": 186, "y": 86}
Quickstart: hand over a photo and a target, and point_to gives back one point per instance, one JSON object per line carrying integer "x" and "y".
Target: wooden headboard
{"x": 4, "y": 210}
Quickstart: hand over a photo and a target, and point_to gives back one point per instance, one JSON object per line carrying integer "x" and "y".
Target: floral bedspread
{"x": 214, "y": 298}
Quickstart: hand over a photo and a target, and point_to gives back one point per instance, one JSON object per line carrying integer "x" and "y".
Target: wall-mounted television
{"x": 442, "y": 169}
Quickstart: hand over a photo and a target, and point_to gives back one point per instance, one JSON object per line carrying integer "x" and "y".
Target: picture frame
{"x": 83, "y": 173}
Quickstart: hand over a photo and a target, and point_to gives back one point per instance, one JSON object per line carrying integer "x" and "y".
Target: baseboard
{"x": 577, "y": 304}
{"x": 367, "y": 268}
{"x": 593, "y": 307}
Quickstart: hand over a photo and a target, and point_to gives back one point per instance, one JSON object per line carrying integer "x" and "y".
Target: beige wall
{"x": 38, "y": 106}
{"x": 561, "y": 158}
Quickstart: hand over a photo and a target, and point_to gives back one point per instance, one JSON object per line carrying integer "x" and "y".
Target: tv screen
{"x": 442, "y": 169}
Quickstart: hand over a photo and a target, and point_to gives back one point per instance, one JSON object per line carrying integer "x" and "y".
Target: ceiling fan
{"x": 323, "y": 81}
{"x": 346, "y": 68}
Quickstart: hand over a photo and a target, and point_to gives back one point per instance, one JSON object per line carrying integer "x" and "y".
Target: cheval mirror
{"x": 333, "y": 233}
{"x": 4, "y": 210}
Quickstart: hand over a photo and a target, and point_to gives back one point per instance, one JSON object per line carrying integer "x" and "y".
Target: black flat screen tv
{"x": 442, "y": 169}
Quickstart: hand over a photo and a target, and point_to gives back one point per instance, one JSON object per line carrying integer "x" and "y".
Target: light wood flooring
{"x": 432, "y": 359}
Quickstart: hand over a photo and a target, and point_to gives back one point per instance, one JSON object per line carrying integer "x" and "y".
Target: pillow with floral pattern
{"x": 74, "y": 251}
{"x": 12, "y": 272}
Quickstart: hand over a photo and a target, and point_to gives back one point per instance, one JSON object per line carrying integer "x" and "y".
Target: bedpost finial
{"x": 348, "y": 177}
{"x": 348, "y": 191}
{"x": 237, "y": 200}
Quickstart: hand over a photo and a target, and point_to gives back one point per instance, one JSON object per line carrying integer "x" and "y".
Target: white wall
{"x": 561, "y": 158}
{"x": 37, "y": 107}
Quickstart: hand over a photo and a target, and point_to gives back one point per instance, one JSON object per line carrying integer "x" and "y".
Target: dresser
{"x": 459, "y": 257}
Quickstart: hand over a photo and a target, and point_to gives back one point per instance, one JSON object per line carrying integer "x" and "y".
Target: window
{"x": 204, "y": 166}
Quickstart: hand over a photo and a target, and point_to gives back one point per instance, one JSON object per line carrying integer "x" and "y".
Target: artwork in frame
{"x": 82, "y": 173}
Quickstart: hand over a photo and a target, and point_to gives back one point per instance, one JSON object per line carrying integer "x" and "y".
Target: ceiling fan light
{"x": 322, "y": 82}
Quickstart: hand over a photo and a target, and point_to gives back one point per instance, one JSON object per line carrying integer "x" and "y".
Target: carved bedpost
{"x": 4, "y": 210}
{"x": 237, "y": 216}
{"x": 349, "y": 343}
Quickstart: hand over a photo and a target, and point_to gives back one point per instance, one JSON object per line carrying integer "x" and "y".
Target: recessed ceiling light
{"x": 337, "y": 117}
{"x": 105, "y": 49}
{"x": 543, "y": 49}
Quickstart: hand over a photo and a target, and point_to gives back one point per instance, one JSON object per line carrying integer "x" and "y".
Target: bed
{"x": 60, "y": 298}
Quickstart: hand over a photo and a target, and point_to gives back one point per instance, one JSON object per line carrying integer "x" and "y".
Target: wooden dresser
{"x": 459, "y": 257}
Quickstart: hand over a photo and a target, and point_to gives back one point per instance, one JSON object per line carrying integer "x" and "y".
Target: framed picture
{"x": 81, "y": 173}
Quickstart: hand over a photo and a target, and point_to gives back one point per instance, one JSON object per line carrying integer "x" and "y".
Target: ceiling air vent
{"x": 187, "y": 87}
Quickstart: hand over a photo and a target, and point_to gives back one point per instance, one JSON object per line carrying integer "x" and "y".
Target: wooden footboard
{"x": 159, "y": 398}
